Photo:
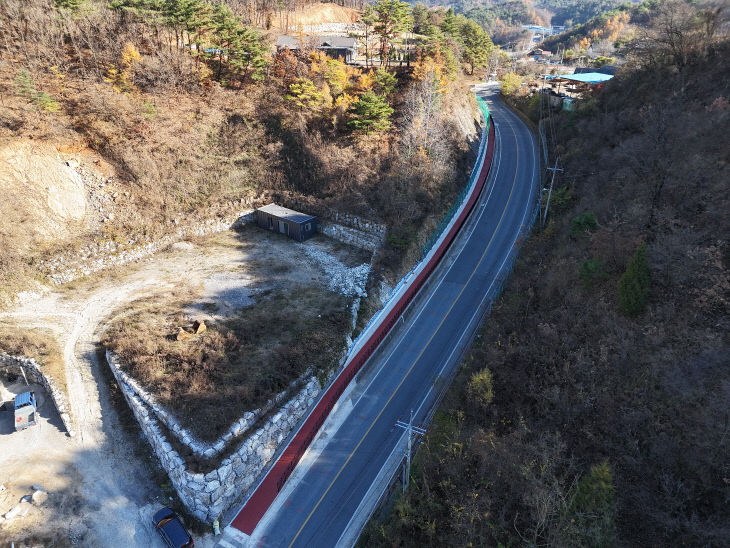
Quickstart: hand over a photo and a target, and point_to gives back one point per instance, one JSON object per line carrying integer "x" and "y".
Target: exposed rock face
{"x": 41, "y": 193}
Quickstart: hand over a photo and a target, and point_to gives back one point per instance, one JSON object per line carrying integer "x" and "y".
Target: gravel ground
{"x": 102, "y": 487}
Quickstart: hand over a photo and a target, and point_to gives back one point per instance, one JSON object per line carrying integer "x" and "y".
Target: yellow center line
{"x": 509, "y": 199}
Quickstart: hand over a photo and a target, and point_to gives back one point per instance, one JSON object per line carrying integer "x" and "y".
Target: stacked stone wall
{"x": 32, "y": 369}
{"x": 207, "y": 495}
{"x": 351, "y": 236}
{"x": 101, "y": 255}
{"x": 183, "y": 435}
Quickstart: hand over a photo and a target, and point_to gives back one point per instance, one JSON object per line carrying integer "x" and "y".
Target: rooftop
{"x": 325, "y": 41}
{"x": 586, "y": 77}
{"x": 285, "y": 213}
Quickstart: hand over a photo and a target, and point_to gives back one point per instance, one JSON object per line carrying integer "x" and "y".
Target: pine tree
{"x": 477, "y": 45}
{"x": 385, "y": 82}
{"x": 449, "y": 25}
{"x": 371, "y": 113}
{"x": 393, "y": 16}
{"x": 225, "y": 34}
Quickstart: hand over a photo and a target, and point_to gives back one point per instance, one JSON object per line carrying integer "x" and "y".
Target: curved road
{"x": 329, "y": 497}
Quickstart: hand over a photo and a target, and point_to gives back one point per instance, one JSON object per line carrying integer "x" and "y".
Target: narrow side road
{"x": 327, "y": 499}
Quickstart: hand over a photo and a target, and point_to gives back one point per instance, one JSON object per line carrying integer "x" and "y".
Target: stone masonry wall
{"x": 352, "y": 236}
{"x": 33, "y": 371}
{"x": 184, "y": 436}
{"x": 100, "y": 255}
{"x": 207, "y": 495}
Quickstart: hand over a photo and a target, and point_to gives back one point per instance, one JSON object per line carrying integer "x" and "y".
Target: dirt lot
{"x": 269, "y": 319}
{"x": 104, "y": 484}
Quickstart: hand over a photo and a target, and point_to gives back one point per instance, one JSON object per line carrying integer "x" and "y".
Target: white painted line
{"x": 478, "y": 310}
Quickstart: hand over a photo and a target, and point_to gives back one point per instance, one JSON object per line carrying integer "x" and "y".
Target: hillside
{"x": 146, "y": 128}
{"x": 503, "y": 19}
{"x": 593, "y": 409}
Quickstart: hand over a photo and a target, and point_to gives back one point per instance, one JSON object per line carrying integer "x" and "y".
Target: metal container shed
{"x": 298, "y": 226}
{"x": 25, "y": 409}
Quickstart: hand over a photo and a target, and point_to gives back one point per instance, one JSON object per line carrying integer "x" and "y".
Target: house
{"x": 333, "y": 45}
{"x": 276, "y": 218}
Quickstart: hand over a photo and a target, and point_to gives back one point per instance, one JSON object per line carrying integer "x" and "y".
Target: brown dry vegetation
{"x": 183, "y": 145}
{"x": 37, "y": 344}
{"x": 238, "y": 363}
{"x": 603, "y": 430}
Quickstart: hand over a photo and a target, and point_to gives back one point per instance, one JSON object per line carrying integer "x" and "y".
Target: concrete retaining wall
{"x": 13, "y": 364}
{"x": 207, "y": 495}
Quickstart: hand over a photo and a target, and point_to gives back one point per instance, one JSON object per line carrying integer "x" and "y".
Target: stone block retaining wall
{"x": 100, "y": 255}
{"x": 352, "y": 236}
{"x": 13, "y": 364}
{"x": 207, "y": 495}
{"x": 184, "y": 436}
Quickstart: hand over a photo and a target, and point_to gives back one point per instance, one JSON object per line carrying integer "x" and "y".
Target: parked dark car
{"x": 171, "y": 528}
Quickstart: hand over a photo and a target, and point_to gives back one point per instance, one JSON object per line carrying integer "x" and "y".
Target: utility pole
{"x": 547, "y": 204}
{"x": 412, "y": 431}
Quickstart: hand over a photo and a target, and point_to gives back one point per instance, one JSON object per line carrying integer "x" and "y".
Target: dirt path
{"x": 118, "y": 490}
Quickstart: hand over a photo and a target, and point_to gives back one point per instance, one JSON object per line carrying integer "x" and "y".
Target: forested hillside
{"x": 180, "y": 110}
{"x": 593, "y": 410}
{"x": 503, "y": 19}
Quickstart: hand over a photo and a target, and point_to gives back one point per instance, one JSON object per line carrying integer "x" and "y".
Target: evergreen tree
{"x": 385, "y": 82}
{"x": 371, "y": 113}
{"x": 477, "y": 45}
{"x": 368, "y": 19}
{"x": 449, "y": 25}
{"x": 392, "y": 18}
{"x": 420, "y": 15}
{"x": 250, "y": 53}
{"x": 633, "y": 287}
{"x": 224, "y": 35}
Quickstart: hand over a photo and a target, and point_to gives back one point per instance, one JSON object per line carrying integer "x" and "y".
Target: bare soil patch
{"x": 318, "y": 14}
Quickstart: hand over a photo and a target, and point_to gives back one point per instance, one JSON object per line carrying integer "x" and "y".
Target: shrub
{"x": 480, "y": 387}
{"x": 511, "y": 83}
{"x": 633, "y": 287}
{"x": 587, "y": 222}
{"x": 26, "y": 88}
{"x": 591, "y": 271}
{"x": 589, "y": 514}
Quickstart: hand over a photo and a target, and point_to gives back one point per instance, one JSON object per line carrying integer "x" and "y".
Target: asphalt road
{"x": 319, "y": 504}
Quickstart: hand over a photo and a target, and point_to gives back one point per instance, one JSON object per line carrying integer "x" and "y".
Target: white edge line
{"x": 456, "y": 347}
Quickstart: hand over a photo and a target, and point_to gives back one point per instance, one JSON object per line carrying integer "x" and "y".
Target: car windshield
{"x": 174, "y": 531}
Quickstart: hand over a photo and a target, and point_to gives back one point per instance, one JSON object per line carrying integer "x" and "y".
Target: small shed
{"x": 25, "y": 409}
{"x": 276, "y": 218}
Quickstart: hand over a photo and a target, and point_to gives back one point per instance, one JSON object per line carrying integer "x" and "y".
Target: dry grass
{"x": 37, "y": 344}
{"x": 237, "y": 364}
